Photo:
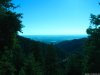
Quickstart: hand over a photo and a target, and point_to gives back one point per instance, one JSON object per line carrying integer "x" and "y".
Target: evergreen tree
{"x": 10, "y": 24}
{"x": 92, "y": 49}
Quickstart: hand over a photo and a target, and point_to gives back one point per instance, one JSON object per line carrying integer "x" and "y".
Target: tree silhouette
{"x": 10, "y": 24}
{"x": 92, "y": 52}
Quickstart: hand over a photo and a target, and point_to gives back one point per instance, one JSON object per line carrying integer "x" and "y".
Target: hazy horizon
{"x": 54, "y": 35}
{"x": 53, "y": 38}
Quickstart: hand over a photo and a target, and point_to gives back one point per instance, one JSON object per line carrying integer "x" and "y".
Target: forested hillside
{"x": 71, "y": 46}
{"x": 52, "y": 60}
{"x": 22, "y": 56}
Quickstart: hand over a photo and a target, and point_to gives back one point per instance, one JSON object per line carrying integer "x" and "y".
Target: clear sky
{"x": 56, "y": 17}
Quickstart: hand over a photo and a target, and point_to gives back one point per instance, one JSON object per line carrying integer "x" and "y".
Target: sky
{"x": 56, "y": 17}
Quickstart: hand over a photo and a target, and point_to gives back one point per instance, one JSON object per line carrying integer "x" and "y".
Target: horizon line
{"x": 50, "y": 34}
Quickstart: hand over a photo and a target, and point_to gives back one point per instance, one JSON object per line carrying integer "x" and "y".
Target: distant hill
{"x": 29, "y": 45}
{"x": 30, "y": 57}
{"x": 53, "y": 38}
{"x": 70, "y": 46}
{"x": 36, "y": 47}
{"x": 62, "y": 48}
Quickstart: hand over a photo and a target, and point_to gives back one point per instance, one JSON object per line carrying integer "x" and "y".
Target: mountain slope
{"x": 71, "y": 45}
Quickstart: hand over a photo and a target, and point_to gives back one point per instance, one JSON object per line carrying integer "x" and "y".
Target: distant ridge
{"x": 53, "y": 38}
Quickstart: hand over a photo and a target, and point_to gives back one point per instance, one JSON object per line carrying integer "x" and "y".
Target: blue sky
{"x": 56, "y": 17}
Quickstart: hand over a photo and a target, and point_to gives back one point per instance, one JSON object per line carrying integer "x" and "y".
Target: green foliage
{"x": 50, "y": 61}
{"x": 74, "y": 64}
{"x": 7, "y": 4}
{"x": 92, "y": 50}
{"x": 10, "y": 24}
{"x": 6, "y": 65}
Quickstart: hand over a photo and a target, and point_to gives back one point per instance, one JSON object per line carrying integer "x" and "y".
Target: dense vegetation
{"x": 71, "y": 46}
{"x": 22, "y": 56}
